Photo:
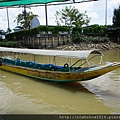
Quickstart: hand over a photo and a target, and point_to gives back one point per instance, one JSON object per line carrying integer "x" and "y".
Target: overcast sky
{"x": 95, "y": 10}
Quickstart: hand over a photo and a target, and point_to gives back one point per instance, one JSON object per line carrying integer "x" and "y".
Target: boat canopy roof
{"x": 60, "y": 53}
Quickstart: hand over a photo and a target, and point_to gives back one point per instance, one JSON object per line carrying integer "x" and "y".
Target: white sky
{"x": 95, "y": 10}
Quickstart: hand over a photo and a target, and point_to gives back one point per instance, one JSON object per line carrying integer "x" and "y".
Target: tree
{"x": 8, "y": 30}
{"x": 70, "y": 16}
{"x": 116, "y": 17}
{"x": 24, "y": 20}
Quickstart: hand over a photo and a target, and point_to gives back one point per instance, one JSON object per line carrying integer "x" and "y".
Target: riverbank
{"x": 88, "y": 46}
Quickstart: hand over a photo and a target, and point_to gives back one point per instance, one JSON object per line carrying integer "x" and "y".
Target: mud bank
{"x": 89, "y": 46}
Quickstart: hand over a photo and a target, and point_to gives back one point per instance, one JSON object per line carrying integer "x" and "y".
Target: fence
{"x": 46, "y": 40}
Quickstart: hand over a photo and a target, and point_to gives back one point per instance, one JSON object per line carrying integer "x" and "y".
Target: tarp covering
{"x": 5, "y": 3}
{"x": 70, "y": 54}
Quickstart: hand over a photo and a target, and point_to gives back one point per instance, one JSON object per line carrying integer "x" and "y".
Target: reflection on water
{"x": 19, "y": 94}
{"x": 107, "y": 87}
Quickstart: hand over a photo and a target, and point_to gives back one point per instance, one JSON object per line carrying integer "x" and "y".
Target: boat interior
{"x": 51, "y": 67}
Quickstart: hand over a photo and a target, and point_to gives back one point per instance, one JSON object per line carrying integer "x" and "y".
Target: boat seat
{"x": 48, "y": 66}
{"x": 45, "y": 66}
{"x": 39, "y": 66}
{"x": 21, "y": 63}
{"x": 30, "y": 64}
{"x": 59, "y": 67}
{"x": 8, "y": 61}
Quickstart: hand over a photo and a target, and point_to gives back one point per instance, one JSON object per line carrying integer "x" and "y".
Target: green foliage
{"x": 99, "y": 39}
{"x": 76, "y": 38}
{"x": 6, "y": 43}
{"x": 20, "y": 19}
{"x": 91, "y": 39}
{"x": 8, "y": 30}
{"x": 61, "y": 29}
{"x": 39, "y": 30}
{"x": 94, "y": 29}
{"x": 42, "y": 28}
{"x": 76, "y": 32}
{"x": 76, "y": 29}
{"x": 116, "y": 17}
{"x": 70, "y": 16}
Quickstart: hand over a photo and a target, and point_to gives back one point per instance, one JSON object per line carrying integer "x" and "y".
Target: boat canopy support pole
{"x": 75, "y": 62}
{"x": 34, "y": 57}
{"x": 34, "y": 60}
{"x": 101, "y": 60}
{"x": 87, "y": 61}
{"x": 49, "y": 59}
{"x": 54, "y": 60}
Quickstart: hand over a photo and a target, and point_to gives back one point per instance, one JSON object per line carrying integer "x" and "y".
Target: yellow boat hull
{"x": 58, "y": 76}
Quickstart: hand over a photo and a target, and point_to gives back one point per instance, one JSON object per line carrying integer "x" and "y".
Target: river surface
{"x": 23, "y": 95}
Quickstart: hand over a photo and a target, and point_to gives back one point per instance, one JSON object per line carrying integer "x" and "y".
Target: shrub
{"x": 6, "y": 43}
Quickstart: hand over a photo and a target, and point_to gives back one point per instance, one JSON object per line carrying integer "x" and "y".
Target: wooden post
{"x": 53, "y": 41}
{"x": 58, "y": 40}
{"x": 45, "y": 41}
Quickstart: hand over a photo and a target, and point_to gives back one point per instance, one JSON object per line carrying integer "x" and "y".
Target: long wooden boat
{"x": 80, "y": 70}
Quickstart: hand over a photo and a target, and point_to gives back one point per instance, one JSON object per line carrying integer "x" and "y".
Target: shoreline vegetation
{"x": 64, "y": 38}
